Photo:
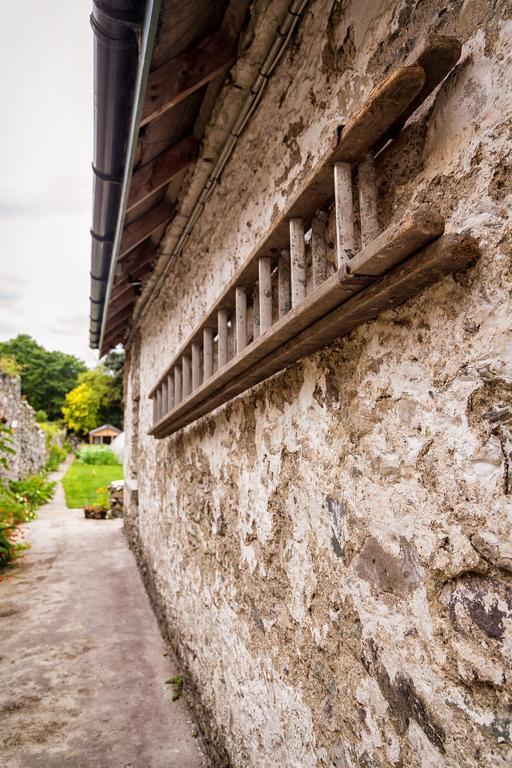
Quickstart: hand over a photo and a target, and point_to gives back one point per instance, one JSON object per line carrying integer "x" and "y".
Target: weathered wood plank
{"x": 222, "y": 338}
{"x": 121, "y": 302}
{"x": 343, "y": 205}
{"x": 397, "y": 242}
{"x": 367, "y": 200}
{"x": 163, "y": 405}
{"x": 339, "y": 288}
{"x": 196, "y": 365}
{"x": 440, "y": 258}
{"x": 241, "y": 319}
{"x": 170, "y": 392}
{"x": 136, "y": 261}
{"x": 182, "y": 75}
{"x": 143, "y": 227}
{"x": 256, "y": 311}
{"x": 208, "y": 335}
{"x": 283, "y": 284}
{"x": 161, "y": 170}
{"x": 116, "y": 334}
{"x": 319, "y": 265}
{"x": 186, "y": 378}
{"x": 297, "y": 261}
{"x": 177, "y": 386}
{"x": 265, "y": 289}
{"x": 437, "y": 55}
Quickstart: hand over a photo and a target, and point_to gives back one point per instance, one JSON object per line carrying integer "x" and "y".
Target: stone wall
{"x": 330, "y": 553}
{"x": 27, "y": 440}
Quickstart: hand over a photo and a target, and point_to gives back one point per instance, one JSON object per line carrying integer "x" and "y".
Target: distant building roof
{"x": 105, "y": 426}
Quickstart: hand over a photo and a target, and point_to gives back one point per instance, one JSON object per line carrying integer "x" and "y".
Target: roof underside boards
{"x": 169, "y": 142}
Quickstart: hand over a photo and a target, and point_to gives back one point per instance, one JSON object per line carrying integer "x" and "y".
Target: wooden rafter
{"x": 114, "y": 336}
{"x": 120, "y": 290}
{"x": 161, "y": 170}
{"x": 136, "y": 260}
{"x": 119, "y": 314}
{"x": 184, "y": 74}
{"x": 143, "y": 227}
{"x": 123, "y": 299}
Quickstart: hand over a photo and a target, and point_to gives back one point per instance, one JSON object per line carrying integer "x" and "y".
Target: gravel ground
{"x": 82, "y": 663}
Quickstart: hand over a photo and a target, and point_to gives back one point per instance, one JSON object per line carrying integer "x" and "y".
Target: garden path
{"x": 82, "y": 662}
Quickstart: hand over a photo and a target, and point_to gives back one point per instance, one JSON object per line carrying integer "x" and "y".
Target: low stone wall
{"x": 116, "y": 498}
{"x": 27, "y": 440}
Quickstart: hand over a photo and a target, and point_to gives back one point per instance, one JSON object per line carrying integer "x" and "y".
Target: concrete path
{"x": 82, "y": 662}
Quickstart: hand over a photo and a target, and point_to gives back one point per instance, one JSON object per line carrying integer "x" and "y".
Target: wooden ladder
{"x": 266, "y": 319}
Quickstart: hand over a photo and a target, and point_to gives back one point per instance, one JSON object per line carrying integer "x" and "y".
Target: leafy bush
{"x": 32, "y": 492}
{"x": 97, "y": 454}
{"x": 54, "y": 436}
{"x": 9, "y": 365}
{"x": 12, "y": 509}
{"x": 12, "y": 514}
{"x": 56, "y": 456}
{"x": 7, "y": 546}
{"x": 41, "y": 417}
{"x": 11, "y": 543}
{"x": 53, "y": 431}
{"x": 18, "y": 503}
{"x": 6, "y": 448}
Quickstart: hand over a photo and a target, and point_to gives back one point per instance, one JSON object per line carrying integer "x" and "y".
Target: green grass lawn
{"x": 87, "y": 484}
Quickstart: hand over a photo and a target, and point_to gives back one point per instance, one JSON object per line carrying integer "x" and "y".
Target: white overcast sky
{"x": 45, "y": 178}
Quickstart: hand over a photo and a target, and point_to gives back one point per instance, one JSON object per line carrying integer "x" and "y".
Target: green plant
{"x": 97, "y": 399}
{"x": 97, "y": 454}
{"x": 12, "y": 514}
{"x": 32, "y": 492}
{"x": 53, "y": 431}
{"x": 12, "y": 542}
{"x": 41, "y": 417}
{"x": 56, "y": 456}
{"x": 7, "y": 546}
{"x": 46, "y": 376}
{"x": 18, "y": 503}
{"x": 5, "y": 444}
{"x": 9, "y": 365}
{"x": 177, "y": 686}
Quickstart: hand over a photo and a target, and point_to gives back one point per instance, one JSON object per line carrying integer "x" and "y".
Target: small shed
{"x": 103, "y": 435}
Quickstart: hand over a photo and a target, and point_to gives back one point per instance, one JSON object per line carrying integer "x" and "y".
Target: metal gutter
{"x": 123, "y": 46}
{"x": 115, "y": 24}
{"x": 280, "y": 43}
{"x": 151, "y": 16}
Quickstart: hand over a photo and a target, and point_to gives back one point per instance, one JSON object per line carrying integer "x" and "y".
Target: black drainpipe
{"x": 116, "y": 24}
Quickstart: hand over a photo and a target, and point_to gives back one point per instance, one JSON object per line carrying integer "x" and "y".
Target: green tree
{"x": 81, "y": 409}
{"x": 46, "y": 376}
{"x": 96, "y": 400}
{"x": 112, "y": 409}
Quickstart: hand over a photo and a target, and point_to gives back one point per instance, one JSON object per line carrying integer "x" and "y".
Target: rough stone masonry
{"x": 27, "y": 440}
{"x": 331, "y": 552}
